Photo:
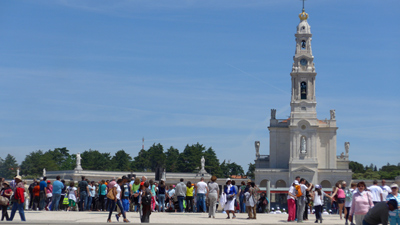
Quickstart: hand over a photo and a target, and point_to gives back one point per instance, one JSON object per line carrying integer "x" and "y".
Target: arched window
{"x": 303, "y": 90}
{"x": 303, "y": 44}
{"x": 303, "y": 145}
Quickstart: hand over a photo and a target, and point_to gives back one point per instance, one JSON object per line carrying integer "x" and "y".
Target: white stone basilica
{"x": 302, "y": 145}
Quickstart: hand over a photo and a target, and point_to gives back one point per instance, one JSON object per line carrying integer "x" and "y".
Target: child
{"x": 71, "y": 190}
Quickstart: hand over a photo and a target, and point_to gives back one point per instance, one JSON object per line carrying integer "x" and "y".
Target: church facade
{"x": 302, "y": 145}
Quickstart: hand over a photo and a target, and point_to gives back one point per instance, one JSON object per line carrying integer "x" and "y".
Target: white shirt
{"x": 118, "y": 191}
{"x": 385, "y": 191}
{"x": 318, "y": 199}
{"x": 71, "y": 193}
{"x": 292, "y": 191}
{"x": 376, "y": 192}
{"x": 201, "y": 187}
{"x": 303, "y": 189}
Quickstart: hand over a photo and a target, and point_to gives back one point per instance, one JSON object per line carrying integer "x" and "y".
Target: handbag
{"x": 4, "y": 201}
{"x": 229, "y": 197}
{"x": 111, "y": 194}
{"x": 49, "y": 195}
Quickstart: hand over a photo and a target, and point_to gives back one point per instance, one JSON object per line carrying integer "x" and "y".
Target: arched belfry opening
{"x": 303, "y": 90}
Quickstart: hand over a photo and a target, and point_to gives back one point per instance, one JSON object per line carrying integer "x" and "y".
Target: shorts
{"x": 340, "y": 200}
{"x": 71, "y": 203}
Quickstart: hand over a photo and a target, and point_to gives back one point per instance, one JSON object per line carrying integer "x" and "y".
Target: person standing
{"x": 92, "y": 194}
{"x": 31, "y": 186}
{"x": 230, "y": 193}
{"x": 83, "y": 190}
{"x": 102, "y": 195}
{"x": 26, "y": 195}
{"x": 347, "y": 204}
{"x": 36, "y": 196}
{"x": 394, "y": 216}
{"x": 153, "y": 194}
{"x": 376, "y": 192}
{"x": 291, "y": 201}
{"x": 189, "y": 197}
{"x": 360, "y": 203}
{"x": 161, "y": 196}
{"x": 201, "y": 190}
{"x": 301, "y": 200}
{"x": 71, "y": 193}
{"x": 318, "y": 199}
{"x": 251, "y": 202}
{"x": 170, "y": 195}
{"x": 49, "y": 195}
{"x": 57, "y": 188}
{"x": 241, "y": 197}
{"x": 213, "y": 196}
{"x": 340, "y": 197}
{"x": 18, "y": 200}
{"x": 6, "y": 192}
{"x": 145, "y": 202}
{"x": 42, "y": 195}
{"x": 180, "y": 191}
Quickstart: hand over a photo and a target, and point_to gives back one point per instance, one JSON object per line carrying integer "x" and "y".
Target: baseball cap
{"x": 394, "y": 186}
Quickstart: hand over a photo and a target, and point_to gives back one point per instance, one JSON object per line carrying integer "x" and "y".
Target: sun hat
{"x": 394, "y": 185}
{"x": 18, "y": 177}
{"x": 6, "y": 182}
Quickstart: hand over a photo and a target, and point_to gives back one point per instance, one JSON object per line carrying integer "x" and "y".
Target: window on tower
{"x": 303, "y": 90}
{"x": 303, "y": 44}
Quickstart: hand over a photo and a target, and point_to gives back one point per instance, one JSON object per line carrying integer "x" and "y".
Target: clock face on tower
{"x": 303, "y": 62}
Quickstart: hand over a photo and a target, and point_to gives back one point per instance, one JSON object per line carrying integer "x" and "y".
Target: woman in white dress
{"x": 230, "y": 193}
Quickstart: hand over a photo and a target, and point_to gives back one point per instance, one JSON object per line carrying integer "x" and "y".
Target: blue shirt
{"x": 395, "y": 212}
{"x": 43, "y": 184}
{"x": 57, "y": 187}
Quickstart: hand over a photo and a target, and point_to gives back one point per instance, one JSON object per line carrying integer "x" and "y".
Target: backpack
{"x": 349, "y": 195}
{"x": 298, "y": 191}
{"x": 146, "y": 198}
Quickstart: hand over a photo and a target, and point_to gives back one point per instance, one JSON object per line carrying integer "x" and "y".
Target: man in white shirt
{"x": 376, "y": 192}
{"x": 385, "y": 190}
{"x": 201, "y": 190}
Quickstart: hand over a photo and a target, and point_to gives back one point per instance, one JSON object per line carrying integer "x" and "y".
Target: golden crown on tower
{"x": 303, "y": 15}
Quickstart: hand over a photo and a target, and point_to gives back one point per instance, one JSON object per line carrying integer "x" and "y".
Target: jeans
{"x": 394, "y": 220}
{"x": 189, "y": 204}
{"x": 318, "y": 211}
{"x": 82, "y": 200}
{"x": 20, "y": 208}
{"x": 55, "y": 201}
{"x": 42, "y": 201}
{"x": 89, "y": 202}
{"x": 242, "y": 204}
{"x": 201, "y": 202}
{"x": 112, "y": 206}
{"x": 161, "y": 202}
{"x": 180, "y": 200}
{"x": 300, "y": 209}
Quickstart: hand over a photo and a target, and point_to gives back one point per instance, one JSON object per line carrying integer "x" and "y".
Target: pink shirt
{"x": 361, "y": 203}
{"x": 340, "y": 193}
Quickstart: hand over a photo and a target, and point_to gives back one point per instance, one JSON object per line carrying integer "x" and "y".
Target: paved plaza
{"x": 59, "y": 218}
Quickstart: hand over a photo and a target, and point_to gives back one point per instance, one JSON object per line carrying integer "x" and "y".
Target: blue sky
{"x": 103, "y": 74}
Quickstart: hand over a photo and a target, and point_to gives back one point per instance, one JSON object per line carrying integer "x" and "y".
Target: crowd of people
{"x": 125, "y": 194}
{"x": 364, "y": 206}
{"x": 359, "y": 205}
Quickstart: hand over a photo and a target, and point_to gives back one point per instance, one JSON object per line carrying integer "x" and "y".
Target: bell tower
{"x": 303, "y": 102}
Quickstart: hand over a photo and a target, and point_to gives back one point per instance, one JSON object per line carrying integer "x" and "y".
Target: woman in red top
{"x": 6, "y": 192}
{"x": 18, "y": 200}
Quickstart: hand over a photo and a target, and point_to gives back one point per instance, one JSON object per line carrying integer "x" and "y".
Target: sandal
{"x": 126, "y": 221}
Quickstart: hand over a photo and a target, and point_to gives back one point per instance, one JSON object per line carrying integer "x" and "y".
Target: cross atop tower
{"x": 303, "y": 4}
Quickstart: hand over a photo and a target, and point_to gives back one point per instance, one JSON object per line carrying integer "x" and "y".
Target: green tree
{"x": 8, "y": 167}
{"x": 36, "y": 161}
{"x": 156, "y": 156}
{"x": 356, "y": 167}
{"x": 189, "y": 160}
{"x": 121, "y": 161}
{"x": 250, "y": 171}
{"x": 229, "y": 169}
{"x": 212, "y": 163}
{"x": 95, "y": 160}
{"x": 171, "y": 160}
{"x": 142, "y": 162}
